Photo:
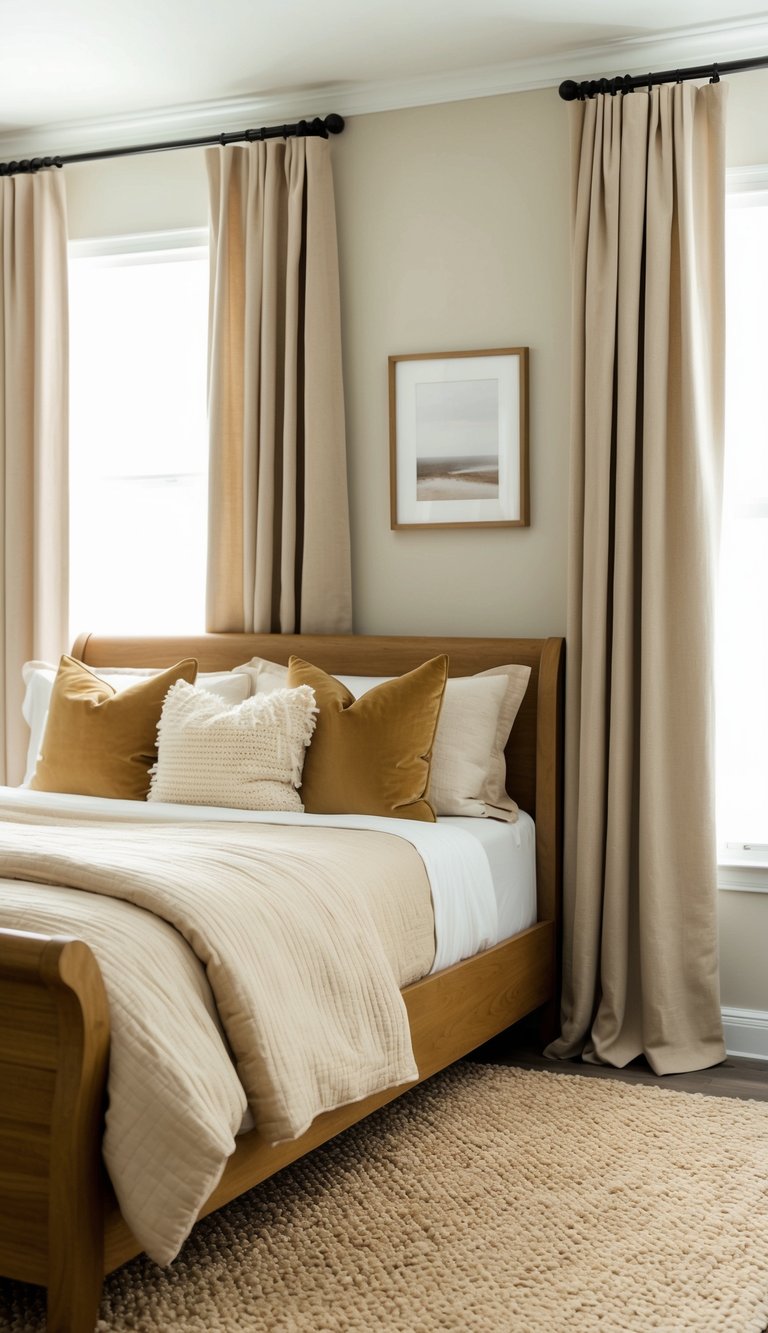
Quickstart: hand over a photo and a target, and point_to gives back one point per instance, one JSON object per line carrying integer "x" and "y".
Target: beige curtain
{"x": 34, "y": 552}
{"x": 640, "y": 940}
{"x": 278, "y": 539}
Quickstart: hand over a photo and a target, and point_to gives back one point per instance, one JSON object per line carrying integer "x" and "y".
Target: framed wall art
{"x": 458, "y": 430}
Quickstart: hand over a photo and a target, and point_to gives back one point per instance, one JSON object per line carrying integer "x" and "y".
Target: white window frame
{"x": 144, "y": 243}
{"x": 743, "y": 867}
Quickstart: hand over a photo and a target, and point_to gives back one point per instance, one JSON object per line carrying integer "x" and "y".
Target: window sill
{"x": 743, "y": 877}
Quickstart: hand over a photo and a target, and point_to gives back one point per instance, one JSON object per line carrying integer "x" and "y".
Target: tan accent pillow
{"x": 38, "y": 677}
{"x": 469, "y": 769}
{"x": 246, "y": 756}
{"x": 371, "y": 756}
{"x": 98, "y": 742}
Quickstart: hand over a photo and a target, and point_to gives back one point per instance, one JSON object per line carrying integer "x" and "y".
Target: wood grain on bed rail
{"x": 54, "y": 1038}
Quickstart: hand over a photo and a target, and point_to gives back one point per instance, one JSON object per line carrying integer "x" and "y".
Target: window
{"x": 138, "y": 434}
{"x": 742, "y": 632}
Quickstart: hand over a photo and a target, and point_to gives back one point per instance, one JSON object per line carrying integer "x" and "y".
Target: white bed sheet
{"x": 482, "y": 871}
{"x": 511, "y": 852}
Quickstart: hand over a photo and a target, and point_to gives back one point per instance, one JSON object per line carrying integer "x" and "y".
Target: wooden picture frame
{"x": 458, "y": 437}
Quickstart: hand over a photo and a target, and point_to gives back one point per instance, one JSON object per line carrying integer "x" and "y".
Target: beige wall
{"x": 453, "y": 233}
{"x": 159, "y": 192}
{"x": 743, "y": 940}
{"x": 747, "y": 136}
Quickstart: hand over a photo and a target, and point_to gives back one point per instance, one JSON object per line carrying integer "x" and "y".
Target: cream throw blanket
{"x": 296, "y": 940}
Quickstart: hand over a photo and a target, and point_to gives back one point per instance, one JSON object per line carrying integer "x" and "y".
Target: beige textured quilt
{"x": 292, "y": 940}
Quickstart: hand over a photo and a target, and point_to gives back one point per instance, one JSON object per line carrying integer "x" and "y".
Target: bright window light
{"x": 742, "y": 632}
{"x": 138, "y": 434}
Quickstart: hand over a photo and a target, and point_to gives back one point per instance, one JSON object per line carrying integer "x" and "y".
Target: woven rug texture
{"x": 489, "y": 1198}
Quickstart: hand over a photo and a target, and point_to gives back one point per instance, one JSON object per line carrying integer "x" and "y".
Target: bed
{"x": 60, "y": 1225}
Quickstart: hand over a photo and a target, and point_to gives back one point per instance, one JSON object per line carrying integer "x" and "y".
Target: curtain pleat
{"x": 34, "y": 407}
{"x": 278, "y": 537}
{"x": 640, "y": 924}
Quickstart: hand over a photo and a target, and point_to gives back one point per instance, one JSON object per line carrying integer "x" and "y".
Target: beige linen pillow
{"x": 98, "y": 742}
{"x": 464, "y": 780}
{"x": 371, "y": 756}
{"x": 246, "y": 756}
{"x": 265, "y": 676}
{"x": 498, "y": 803}
{"x": 463, "y": 744}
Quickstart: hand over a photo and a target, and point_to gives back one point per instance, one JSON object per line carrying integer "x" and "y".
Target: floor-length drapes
{"x": 278, "y": 541}
{"x": 34, "y": 554}
{"x": 640, "y": 946}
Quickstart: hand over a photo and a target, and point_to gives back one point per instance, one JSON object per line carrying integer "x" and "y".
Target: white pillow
{"x": 247, "y": 756}
{"x": 469, "y": 769}
{"x": 233, "y": 686}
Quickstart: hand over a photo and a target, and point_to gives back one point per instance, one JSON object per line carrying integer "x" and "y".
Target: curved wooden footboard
{"x": 60, "y": 1225}
{"x": 54, "y": 1041}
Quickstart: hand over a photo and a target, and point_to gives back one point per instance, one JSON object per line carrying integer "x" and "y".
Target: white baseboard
{"x": 746, "y": 1032}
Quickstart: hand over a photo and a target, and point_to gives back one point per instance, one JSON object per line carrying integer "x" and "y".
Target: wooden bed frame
{"x": 60, "y": 1225}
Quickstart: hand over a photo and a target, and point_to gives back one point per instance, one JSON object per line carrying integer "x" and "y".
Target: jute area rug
{"x": 490, "y": 1198}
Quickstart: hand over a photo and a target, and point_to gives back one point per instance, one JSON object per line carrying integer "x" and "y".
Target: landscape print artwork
{"x": 457, "y": 440}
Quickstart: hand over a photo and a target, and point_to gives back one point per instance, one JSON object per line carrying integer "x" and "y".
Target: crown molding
{"x": 702, "y": 44}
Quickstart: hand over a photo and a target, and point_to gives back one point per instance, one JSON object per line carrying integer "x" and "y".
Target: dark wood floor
{"x": 735, "y": 1077}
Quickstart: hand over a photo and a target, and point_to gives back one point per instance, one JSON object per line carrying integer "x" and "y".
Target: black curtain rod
{"x": 317, "y": 128}
{"x": 570, "y": 91}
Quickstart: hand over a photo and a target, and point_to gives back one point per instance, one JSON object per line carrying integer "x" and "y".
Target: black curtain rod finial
{"x": 571, "y": 91}
{"x": 317, "y": 128}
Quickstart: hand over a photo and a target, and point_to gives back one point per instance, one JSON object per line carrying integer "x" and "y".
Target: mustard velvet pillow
{"x": 98, "y": 742}
{"x": 372, "y": 755}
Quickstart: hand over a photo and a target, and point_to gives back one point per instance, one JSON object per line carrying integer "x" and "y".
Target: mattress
{"x": 498, "y": 859}
{"x": 511, "y": 853}
{"x": 482, "y": 872}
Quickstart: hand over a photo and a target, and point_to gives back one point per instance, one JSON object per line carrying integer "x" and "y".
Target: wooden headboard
{"x": 534, "y": 752}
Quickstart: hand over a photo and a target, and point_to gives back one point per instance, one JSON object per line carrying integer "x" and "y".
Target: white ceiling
{"x": 73, "y": 65}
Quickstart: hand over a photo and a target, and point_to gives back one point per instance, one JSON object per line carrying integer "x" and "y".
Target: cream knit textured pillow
{"x": 247, "y": 756}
